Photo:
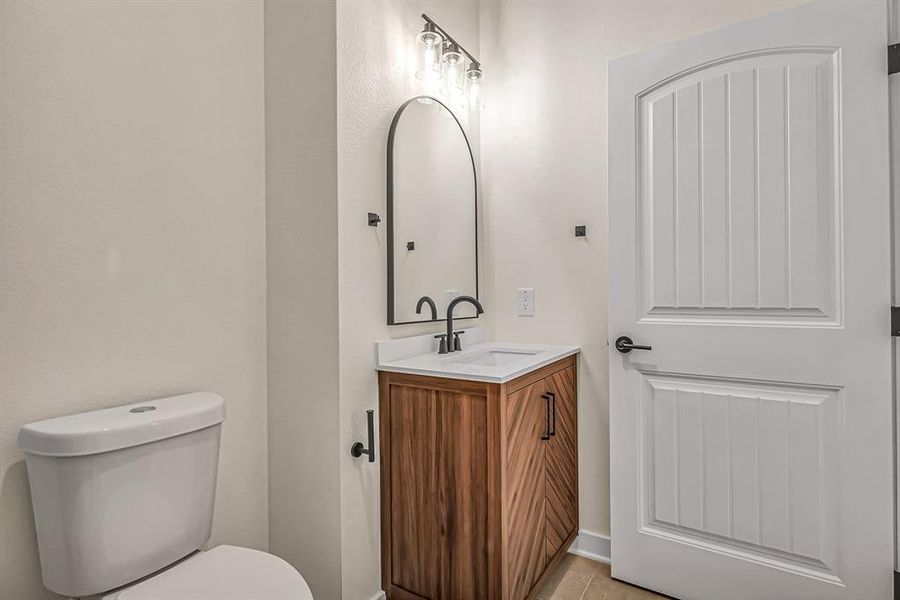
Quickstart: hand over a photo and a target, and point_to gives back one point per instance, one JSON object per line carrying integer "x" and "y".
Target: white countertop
{"x": 479, "y": 360}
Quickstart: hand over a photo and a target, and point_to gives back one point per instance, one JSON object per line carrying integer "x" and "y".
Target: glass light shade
{"x": 473, "y": 86}
{"x": 452, "y": 70}
{"x": 429, "y": 44}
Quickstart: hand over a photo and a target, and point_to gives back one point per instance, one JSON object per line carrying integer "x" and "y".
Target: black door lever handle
{"x": 625, "y": 344}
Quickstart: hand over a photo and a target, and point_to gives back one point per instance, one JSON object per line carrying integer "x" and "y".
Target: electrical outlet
{"x": 526, "y": 302}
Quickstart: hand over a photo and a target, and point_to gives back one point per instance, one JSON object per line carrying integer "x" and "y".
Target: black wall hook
{"x": 374, "y": 219}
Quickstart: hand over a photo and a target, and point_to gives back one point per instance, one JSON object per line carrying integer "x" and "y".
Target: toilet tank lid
{"x": 123, "y": 426}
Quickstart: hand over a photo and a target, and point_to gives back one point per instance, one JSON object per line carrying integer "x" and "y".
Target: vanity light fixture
{"x": 442, "y": 59}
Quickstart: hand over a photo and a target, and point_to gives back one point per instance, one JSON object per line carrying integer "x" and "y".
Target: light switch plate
{"x": 526, "y": 302}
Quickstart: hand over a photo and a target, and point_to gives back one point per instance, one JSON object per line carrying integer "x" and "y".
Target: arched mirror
{"x": 431, "y": 213}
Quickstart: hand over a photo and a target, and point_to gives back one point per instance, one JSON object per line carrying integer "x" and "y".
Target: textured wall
{"x": 131, "y": 234}
{"x": 545, "y": 94}
{"x": 376, "y": 41}
{"x": 302, "y": 261}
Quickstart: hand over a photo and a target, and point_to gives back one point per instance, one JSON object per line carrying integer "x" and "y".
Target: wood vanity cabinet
{"x": 479, "y": 483}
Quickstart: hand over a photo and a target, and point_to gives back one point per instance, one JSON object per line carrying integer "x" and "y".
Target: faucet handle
{"x": 442, "y": 349}
{"x": 456, "y": 345}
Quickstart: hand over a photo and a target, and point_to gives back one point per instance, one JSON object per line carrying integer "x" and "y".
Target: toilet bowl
{"x": 123, "y": 502}
{"x": 222, "y": 573}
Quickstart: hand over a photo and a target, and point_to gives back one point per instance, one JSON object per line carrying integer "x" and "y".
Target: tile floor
{"x": 577, "y": 578}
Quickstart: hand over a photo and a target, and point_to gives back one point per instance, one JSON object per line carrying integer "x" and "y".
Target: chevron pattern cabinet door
{"x": 561, "y": 498}
{"x": 526, "y": 424}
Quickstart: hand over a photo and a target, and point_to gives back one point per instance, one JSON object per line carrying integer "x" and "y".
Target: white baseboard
{"x": 379, "y": 596}
{"x": 594, "y": 546}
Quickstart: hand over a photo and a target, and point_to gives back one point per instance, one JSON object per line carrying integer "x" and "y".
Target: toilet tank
{"x": 122, "y": 492}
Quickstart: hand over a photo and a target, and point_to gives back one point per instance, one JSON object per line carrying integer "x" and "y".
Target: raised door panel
{"x": 561, "y": 497}
{"x": 739, "y": 195}
{"x": 438, "y": 479}
{"x": 744, "y": 469}
{"x": 527, "y": 422}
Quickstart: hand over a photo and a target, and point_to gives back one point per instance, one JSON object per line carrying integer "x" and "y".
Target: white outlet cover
{"x": 526, "y": 302}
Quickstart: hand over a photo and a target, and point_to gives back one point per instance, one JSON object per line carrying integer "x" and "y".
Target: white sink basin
{"x": 494, "y": 357}
{"x": 479, "y": 360}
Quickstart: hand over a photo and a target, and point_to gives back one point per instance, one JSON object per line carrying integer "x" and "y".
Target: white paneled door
{"x": 751, "y": 448}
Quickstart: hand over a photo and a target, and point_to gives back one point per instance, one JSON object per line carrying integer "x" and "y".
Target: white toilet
{"x": 123, "y": 500}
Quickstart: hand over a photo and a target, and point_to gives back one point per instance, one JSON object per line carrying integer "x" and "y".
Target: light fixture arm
{"x": 449, "y": 38}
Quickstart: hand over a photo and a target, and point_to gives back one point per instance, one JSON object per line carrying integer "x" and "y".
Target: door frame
{"x": 893, "y": 19}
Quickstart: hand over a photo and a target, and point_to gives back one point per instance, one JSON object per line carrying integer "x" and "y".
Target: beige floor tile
{"x": 603, "y": 588}
{"x": 569, "y": 580}
{"x": 577, "y": 578}
{"x": 584, "y": 565}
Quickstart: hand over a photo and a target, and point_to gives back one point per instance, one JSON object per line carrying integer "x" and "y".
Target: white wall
{"x": 302, "y": 279}
{"x": 375, "y": 76}
{"x": 544, "y": 143}
{"x": 132, "y": 234}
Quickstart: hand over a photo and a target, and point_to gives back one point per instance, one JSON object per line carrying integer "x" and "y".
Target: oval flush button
{"x": 141, "y": 409}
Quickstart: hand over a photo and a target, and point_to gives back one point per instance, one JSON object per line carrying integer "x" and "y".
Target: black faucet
{"x": 451, "y": 347}
{"x": 430, "y": 303}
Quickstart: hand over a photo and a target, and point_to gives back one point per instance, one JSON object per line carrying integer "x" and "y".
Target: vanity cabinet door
{"x": 561, "y": 498}
{"x": 527, "y": 424}
{"x": 436, "y": 478}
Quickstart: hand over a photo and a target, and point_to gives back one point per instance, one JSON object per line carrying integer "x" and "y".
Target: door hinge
{"x": 893, "y": 59}
{"x": 895, "y": 321}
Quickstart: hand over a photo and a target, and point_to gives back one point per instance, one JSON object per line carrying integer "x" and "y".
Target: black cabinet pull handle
{"x": 553, "y": 411}
{"x": 547, "y": 435}
{"x": 358, "y": 449}
{"x": 624, "y": 344}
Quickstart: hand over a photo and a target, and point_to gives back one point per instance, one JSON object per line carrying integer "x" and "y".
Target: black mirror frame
{"x": 391, "y": 320}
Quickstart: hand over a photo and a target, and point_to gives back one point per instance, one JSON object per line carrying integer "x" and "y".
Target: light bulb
{"x": 451, "y": 75}
{"x": 474, "y": 96}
